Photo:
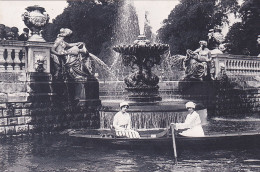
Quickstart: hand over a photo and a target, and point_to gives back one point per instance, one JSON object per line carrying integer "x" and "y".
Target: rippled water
{"x": 59, "y": 153}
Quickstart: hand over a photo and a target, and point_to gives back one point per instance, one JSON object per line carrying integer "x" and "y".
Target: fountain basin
{"x": 147, "y": 50}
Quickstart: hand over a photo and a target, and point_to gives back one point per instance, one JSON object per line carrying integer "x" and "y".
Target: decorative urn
{"x": 35, "y": 18}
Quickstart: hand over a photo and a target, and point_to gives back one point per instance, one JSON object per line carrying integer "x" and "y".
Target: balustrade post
{"x": 38, "y": 72}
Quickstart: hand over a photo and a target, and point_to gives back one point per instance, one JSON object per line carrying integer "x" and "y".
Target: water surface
{"x": 62, "y": 154}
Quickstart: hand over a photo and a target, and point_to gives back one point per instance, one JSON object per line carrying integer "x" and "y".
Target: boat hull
{"x": 236, "y": 140}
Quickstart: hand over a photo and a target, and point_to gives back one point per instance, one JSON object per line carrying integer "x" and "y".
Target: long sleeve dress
{"x": 122, "y": 125}
{"x": 193, "y": 123}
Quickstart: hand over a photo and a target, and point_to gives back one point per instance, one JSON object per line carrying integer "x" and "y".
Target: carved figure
{"x": 197, "y": 64}
{"x": 70, "y": 63}
{"x": 69, "y": 58}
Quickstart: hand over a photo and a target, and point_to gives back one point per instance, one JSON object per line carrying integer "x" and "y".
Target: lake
{"x": 62, "y": 154}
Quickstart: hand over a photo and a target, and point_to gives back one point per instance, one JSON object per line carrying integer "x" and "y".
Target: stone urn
{"x": 35, "y": 18}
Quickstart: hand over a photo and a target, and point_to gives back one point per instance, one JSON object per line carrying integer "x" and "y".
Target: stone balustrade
{"x": 237, "y": 65}
{"x": 12, "y": 56}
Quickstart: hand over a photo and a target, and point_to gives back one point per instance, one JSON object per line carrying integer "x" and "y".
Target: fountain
{"x": 147, "y": 108}
{"x": 142, "y": 84}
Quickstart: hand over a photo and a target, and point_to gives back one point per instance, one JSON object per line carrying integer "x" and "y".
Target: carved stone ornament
{"x": 39, "y": 63}
{"x": 35, "y": 18}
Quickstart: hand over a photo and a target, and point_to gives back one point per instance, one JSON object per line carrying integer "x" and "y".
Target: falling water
{"x": 101, "y": 63}
{"x": 170, "y": 64}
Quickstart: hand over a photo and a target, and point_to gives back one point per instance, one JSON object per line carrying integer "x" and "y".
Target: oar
{"x": 174, "y": 143}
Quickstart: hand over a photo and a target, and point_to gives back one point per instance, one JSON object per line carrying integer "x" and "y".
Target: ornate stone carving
{"x": 39, "y": 63}
{"x": 142, "y": 56}
{"x": 35, "y": 19}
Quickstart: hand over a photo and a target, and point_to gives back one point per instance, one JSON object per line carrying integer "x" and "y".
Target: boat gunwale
{"x": 213, "y": 136}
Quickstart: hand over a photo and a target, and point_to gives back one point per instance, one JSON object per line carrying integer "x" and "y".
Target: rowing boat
{"x": 163, "y": 139}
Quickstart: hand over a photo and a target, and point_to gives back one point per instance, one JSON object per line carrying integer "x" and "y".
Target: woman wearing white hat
{"x": 192, "y": 123}
{"x": 122, "y": 122}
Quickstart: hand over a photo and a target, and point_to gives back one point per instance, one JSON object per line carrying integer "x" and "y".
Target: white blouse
{"x": 122, "y": 120}
{"x": 193, "y": 123}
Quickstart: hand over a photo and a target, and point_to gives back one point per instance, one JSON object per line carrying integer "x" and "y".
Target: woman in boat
{"x": 192, "y": 123}
{"x": 122, "y": 123}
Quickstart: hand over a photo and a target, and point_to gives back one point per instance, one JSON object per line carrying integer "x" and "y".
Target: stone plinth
{"x": 38, "y": 57}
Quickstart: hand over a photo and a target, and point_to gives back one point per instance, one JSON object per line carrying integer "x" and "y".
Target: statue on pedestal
{"x": 198, "y": 64}
{"x": 70, "y": 65}
{"x": 70, "y": 59}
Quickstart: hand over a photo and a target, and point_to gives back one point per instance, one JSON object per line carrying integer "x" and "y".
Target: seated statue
{"x": 197, "y": 64}
{"x": 69, "y": 58}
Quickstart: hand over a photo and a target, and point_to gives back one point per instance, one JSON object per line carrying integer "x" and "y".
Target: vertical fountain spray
{"x": 142, "y": 84}
{"x": 125, "y": 31}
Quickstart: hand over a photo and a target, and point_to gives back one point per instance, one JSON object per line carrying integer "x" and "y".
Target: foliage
{"x": 242, "y": 36}
{"x": 91, "y": 22}
{"x": 190, "y": 21}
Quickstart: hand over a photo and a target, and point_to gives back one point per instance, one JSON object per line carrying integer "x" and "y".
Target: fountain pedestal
{"x": 142, "y": 84}
{"x": 141, "y": 96}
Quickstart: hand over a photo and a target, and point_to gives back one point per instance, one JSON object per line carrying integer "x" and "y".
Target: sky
{"x": 11, "y": 11}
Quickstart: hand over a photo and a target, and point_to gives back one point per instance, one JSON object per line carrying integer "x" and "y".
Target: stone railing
{"x": 19, "y": 64}
{"x": 20, "y": 56}
{"x": 12, "y": 56}
{"x": 237, "y": 65}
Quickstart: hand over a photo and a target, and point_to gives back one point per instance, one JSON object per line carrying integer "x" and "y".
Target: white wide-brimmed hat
{"x": 190, "y": 105}
{"x": 123, "y": 104}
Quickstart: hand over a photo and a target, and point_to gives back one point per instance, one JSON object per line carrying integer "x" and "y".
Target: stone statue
{"x": 70, "y": 66}
{"x": 197, "y": 64}
{"x": 69, "y": 59}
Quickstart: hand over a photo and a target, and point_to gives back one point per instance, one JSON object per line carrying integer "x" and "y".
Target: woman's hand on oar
{"x": 173, "y": 125}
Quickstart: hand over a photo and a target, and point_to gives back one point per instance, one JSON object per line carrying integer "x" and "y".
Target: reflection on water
{"x": 59, "y": 153}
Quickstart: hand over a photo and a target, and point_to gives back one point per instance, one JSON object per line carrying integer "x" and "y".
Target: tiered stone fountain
{"x": 142, "y": 84}
{"x": 147, "y": 109}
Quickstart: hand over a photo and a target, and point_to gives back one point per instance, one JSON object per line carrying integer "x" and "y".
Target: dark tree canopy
{"x": 242, "y": 36}
{"x": 90, "y": 22}
{"x": 190, "y": 21}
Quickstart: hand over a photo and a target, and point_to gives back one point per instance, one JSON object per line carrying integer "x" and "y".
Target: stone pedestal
{"x": 38, "y": 72}
{"x": 91, "y": 89}
{"x": 142, "y": 96}
{"x": 38, "y": 57}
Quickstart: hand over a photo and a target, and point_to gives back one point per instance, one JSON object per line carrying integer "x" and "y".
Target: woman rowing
{"x": 192, "y": 124}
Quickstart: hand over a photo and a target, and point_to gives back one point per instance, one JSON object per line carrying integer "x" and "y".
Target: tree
{"x": 91, "y": 22}
{"x": 242, "y": 36}
{"x": 190, "y": 21}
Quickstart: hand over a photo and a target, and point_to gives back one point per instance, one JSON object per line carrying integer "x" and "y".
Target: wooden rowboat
{"x": 162, "y": 139}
